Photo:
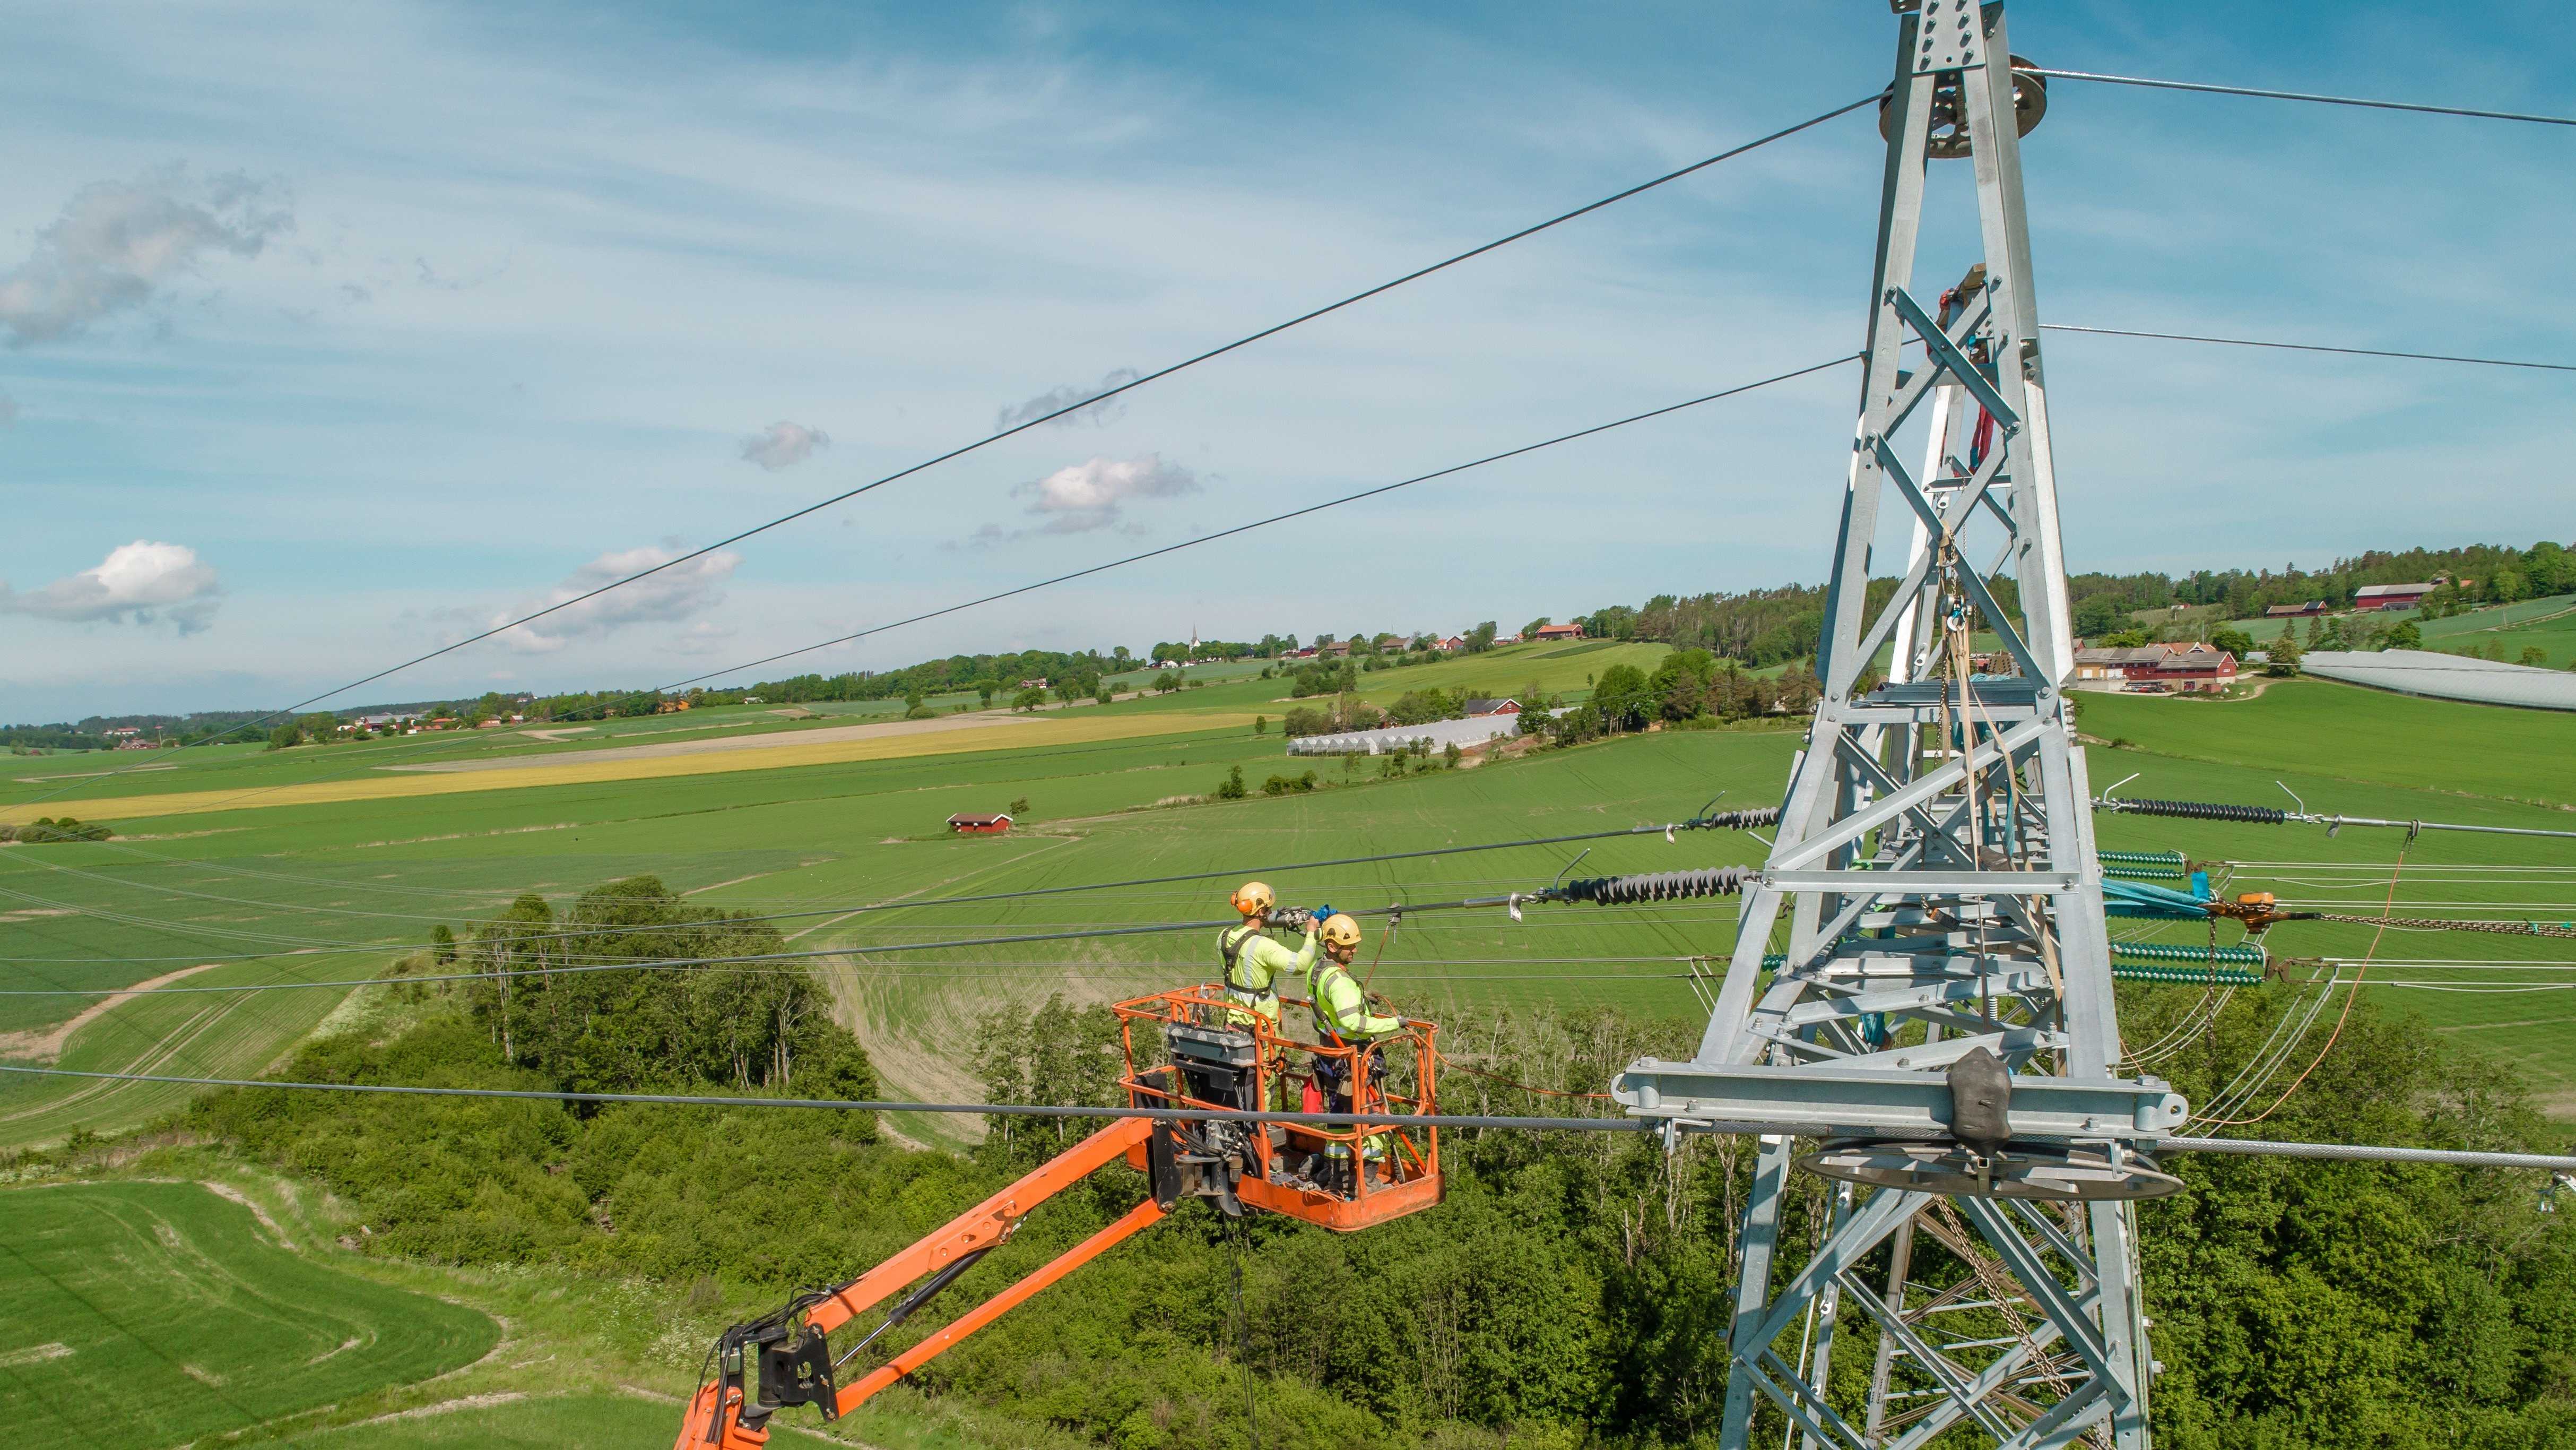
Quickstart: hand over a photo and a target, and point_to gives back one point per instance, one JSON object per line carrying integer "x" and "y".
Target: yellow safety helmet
{"x": 1340, "y": 931}
{"x": 1254, "y": 898}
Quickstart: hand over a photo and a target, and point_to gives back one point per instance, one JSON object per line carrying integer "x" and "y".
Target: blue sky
{"x": 383, "y": 319}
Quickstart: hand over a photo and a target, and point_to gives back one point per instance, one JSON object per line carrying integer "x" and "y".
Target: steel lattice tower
{"x": 1941, "y": 1013}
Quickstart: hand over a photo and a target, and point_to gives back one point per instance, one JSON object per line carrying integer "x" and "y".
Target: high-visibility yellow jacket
{"x": 1341, "y": 1007}
{"x": 1256, "y": 966}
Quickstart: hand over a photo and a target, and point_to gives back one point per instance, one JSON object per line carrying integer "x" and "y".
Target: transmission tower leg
{"x": 1757, "y": 1243}
{"x": 1943, "y": 1019}
{"x": 1900, "y": 1261}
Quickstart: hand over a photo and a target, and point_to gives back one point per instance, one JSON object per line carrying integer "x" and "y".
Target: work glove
{"x": 1321, "y": 914}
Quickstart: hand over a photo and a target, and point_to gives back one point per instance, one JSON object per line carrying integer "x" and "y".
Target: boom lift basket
{"x": 1189, "y": 1048}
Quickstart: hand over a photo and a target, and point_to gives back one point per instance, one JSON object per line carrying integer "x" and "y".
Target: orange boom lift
{"x": 1181, "y": 1053}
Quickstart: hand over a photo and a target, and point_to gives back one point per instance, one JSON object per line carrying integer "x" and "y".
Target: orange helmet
{"x": 1254, "y": 898}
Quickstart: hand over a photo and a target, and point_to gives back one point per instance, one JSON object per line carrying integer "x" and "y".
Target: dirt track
{"x": 47, "y": 1046}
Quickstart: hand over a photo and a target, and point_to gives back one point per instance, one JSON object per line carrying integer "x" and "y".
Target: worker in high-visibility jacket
{"x": 1256, "y": 966}
{"x": 1343, "y": 1020}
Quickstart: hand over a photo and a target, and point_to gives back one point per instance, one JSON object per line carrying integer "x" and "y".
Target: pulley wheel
{"x": 1948, "y": 137}
{"x": 2053, "y": 1173}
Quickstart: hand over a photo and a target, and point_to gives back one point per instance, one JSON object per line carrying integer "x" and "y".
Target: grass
{"x": 2343, "y": 731}
{"x": 995, "y": 732}
{"x": 531, "y": 1356}
{"x": 350, "y": 884}
{"x": 1558, "y": 669}
{"x": 2363, "y": 752}
{"x": 2549, "y": 624}
{"x": 143, "y": 1313}
{"x": 344, "y": 886}
{"x": 591, "y": 1420}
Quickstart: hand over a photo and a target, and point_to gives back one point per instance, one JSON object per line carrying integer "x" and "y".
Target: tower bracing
{"x": 1939, "y": 1024}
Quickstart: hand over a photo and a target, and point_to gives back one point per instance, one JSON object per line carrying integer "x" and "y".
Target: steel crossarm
{"x": 1838, "y": 1101}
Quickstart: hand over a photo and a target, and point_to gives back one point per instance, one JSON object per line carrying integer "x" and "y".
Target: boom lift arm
{"x": 1196, "y": 1057}
{"x": 787, "y": 1358}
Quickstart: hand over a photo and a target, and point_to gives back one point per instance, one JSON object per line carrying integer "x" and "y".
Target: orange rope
{"x": 2352, "y": 994}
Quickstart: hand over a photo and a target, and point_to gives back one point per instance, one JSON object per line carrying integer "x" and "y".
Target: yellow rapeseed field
{"x": 1076, "y": 729}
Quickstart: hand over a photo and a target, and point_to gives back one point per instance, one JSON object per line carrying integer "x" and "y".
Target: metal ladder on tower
{"x": 1941, "y": 1014}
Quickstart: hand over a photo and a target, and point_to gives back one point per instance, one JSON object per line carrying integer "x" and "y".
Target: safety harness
{"x": 1229, "y": 955}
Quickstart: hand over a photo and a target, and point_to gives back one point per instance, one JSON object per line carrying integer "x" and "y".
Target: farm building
{"x": 1451, "y": 645}
{"x": 1466, "y": 734}
{"x": 1493, "y": 707}
{"x": 2295, "y": 611}
{"x": 1557, "y": 631}
{"x": 2389, "y": 596}
{"x": 2189, "y": 669}
{"x": 979, "y": 823}
{"x": 2114, "y": 664}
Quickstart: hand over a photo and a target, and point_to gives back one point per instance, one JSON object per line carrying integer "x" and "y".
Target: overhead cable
{"x": 2492, "y": 362}
{"x": 2363, "y": 1152}
{"x": 1105, "y": 394}
{"x": 2258, "y": 93}
{"x": 1744, "y": 818}
{"x": 1298, "y": 513}
{"x": 1659, "y": 886}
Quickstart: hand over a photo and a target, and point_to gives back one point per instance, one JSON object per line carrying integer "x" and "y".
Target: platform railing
{"x": 1410, "y": 1154}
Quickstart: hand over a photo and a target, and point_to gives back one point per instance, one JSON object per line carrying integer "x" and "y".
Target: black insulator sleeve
{"x": 1661, "y": 885}
{"x": 2205, "y": 811}
{"x": 1744, "y": 819}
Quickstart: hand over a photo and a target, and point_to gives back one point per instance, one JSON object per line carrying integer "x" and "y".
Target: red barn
{"x": 2389, "y": 596}
{"x": 1557, "y": 631}
{"x": 979, "y": 823}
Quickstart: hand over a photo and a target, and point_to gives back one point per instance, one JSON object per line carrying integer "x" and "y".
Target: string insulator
{"x": 1740, "y": 820}
{"x": 2204, "y": 811}
{"x": 1661, "y": 885}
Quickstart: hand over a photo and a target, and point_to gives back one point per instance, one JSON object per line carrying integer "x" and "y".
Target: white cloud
{"x": 1092, "y": 495}
{"x": 117, "y": 242}
{"x": 1057, "y": 399}
{"x": 784, "y": 445}
{"x": 674, "y": 594}
{"x": 137, "y": 583}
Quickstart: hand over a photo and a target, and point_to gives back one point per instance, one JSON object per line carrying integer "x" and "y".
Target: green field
{"x": 2549, "y": 624}
{"x": 334, "y": 891}
{"x": 2363, "y": 752}
{"x": 2346, "y": 732}
{"x": 581, "y": 1421}
{"x": 268, "y": 891}
{"x": 138, "y": 1314}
